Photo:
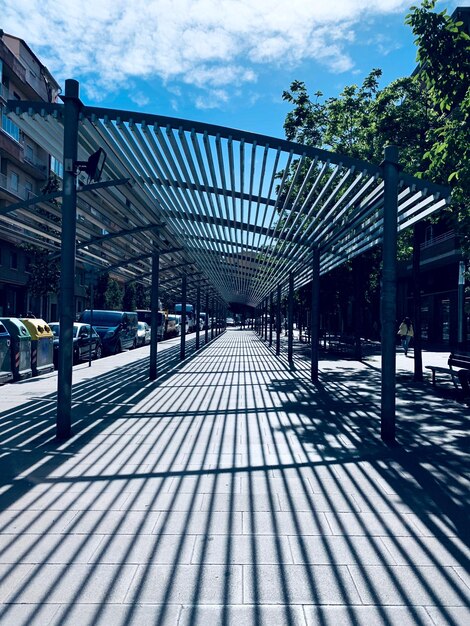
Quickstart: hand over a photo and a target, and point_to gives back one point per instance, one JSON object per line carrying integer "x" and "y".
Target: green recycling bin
{"x": 20, "y": 347}
{"x": 42, "y": 346}
{"x": 5, "y": 356}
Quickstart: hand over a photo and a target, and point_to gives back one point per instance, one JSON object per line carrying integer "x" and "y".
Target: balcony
{"x": 36, "y": 164}
{"x": 16, "y": 192}
{"x": 4, "y": 92}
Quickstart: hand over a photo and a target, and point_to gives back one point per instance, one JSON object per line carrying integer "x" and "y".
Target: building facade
{"x": 25, "y": 167}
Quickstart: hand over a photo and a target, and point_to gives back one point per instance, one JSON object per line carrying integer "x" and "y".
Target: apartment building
{"x": 24, "y": 169}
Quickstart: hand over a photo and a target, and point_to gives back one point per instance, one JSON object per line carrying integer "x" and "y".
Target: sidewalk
{"x": 232, "y": 491}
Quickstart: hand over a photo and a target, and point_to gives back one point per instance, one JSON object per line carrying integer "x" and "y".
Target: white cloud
{"x": 213, "y": 45}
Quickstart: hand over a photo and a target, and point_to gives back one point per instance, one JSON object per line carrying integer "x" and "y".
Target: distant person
{"x": 406, "y": 333}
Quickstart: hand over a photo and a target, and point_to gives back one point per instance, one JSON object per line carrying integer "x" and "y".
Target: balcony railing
{"x": 433, "y": 241}
{"x": 35, "y": 163}
{"x": 4, "y": 91}
{"x": 22, "y": 192}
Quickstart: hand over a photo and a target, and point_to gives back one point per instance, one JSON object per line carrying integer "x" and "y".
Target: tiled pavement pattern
{"x": 232, "y": 492}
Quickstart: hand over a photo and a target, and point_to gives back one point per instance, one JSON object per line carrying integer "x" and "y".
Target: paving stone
{"x": 242, "y": 549}
{"x": 335, "y": 550}
{"x": 297, "y": 584}
{"x": 366, "y": 616}
{"x": 198, "y": 523}
{"x": 142, "y": 549}
{"x": 285, "y": 523}
{"x": 28, "y": 614}
{"x": 112, "y": 522}
{"x": 365, "y": 523}
{"x": 235, "y": 485}
{"x": 57, "y": 584}
{"x": 242, "y": 616}
{"x": 455, "y": 615}
{"x": 28, "y": 548}
{"x": 11, "y": 578}
{"x": 35, "y": 522}
{"x": 116, "y": 615}
{"x": 427, "y": 551}
{"x": 309, "y": 501}
{"x": 240, "y": 502}
{"x": 148, "y": 500}
{"x": 187, "y": 584}
{"x": 401, "y": 585}
{"x": 218, "y": 483}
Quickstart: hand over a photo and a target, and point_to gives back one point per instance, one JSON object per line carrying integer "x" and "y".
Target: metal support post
{"x": 315, "y": 316}
{"x": 388, "y": 295}
{"x": 214, "y": 321}
{"x": 271, "y": 311}
{"x": 72, "y": 106}
{"x": 290, "y": 319}
{"x": 265, "y": 331}
{"x": 183, "y": 318}
{"x": 154, "y": 314}
{"x": 206, "y": 321}
{"x": 278, "y": 321}
{"x": 198, "y": 313}
{"x": 461, "y": 305}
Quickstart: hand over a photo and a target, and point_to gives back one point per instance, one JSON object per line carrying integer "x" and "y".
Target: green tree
{"x": 108, "y": 294}
{"x": 142, "y": 296}
{"x": 44, "y": 274}
{"x": 129, "y": 297}
{"x": 443, "y": 52}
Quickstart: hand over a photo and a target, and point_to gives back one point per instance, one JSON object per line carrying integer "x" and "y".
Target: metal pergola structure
{"x": 241, "y": 211}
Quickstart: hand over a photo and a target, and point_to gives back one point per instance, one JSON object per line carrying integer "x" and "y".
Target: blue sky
{"x": 221, "y": 61}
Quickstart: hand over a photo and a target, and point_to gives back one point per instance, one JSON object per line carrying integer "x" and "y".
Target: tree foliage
{"x": 108, "y": 294}
{"x": 443, "y": 51}
{"x": 44, "y": 274}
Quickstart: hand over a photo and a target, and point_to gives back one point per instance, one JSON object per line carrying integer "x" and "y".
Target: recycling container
{"x": 5, "y": 356}
{"x": 42, "y": 346}
{"x": 20, "y": 347}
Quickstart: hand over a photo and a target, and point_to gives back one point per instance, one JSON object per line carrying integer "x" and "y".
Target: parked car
{"x": 172, "y": 327}
{"x": 143, "y": 334}
{"x": 202, "y": 321}
{"x": 230, "y": 321}
{"x": 81, "y": 342}
{"x": 117, "y": 329}
{"x": 145, "y": 315}
{"x": 174, "y": 322}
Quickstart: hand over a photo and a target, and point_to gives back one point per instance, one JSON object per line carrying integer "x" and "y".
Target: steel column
{"x": 315, "y": 315}
{"x": 72, "y": 106}
{"x": 271, "y": 307}
{"x": 290, "y": 319}
{"x": 154, "y": 314}
{"x": 388, "y": 295}
{"x": 183, "y": 318}
{"x": 212, "y": 316}
{"x": 278, "y": 321}
{"x": 206, "y": 321}
{"x": 198, "y": 311}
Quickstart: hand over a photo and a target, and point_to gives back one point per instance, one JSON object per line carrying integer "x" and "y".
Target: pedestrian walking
{"x": 406, "y": 333}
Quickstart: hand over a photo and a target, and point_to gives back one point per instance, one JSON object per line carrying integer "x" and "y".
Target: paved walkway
{"x": 232, "y": 492}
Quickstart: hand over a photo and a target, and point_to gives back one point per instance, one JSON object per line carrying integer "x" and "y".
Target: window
{"x": 10, "y": 128}
{"x": 29, "y": 154}
{"x": 14, "y": 181}
{"x": 29, "y": 189}
{"x": 57, "y": 167}
{"x": 13, "y": 260}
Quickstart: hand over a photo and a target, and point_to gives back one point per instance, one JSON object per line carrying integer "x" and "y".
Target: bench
{"x": 457, "y": 359}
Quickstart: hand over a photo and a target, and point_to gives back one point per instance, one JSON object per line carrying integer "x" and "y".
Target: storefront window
{"x": 445, "y": 317}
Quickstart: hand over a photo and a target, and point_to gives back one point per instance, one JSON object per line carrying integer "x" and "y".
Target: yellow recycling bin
{"x": 42, "y": 346}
